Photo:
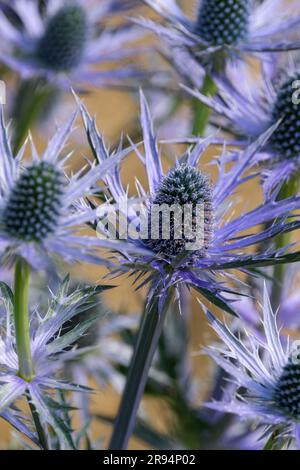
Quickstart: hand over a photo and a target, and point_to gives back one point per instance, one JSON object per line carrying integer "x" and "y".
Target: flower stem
{"x": 32, "y": 102}
{"x": 288, "y": 189}
{"x": 146, "y": 343}
{"x": 21, "y": 288}
{"x": 201, "y": 111}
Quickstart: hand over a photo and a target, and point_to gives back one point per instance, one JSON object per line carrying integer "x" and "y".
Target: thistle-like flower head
{"x": 41, "y": 207}
{"x": 249, "y": 105}
{"x": 64, "y": 40}
{"x": 61, "y": 41}
{"x": 51, "y": 349}
{"x": 169, "y": 259}
{"x": 223, "y": 23}
{"x": 32, "y": 209}
{"x": 222, "y": 29}
{"x": 285, "y": 139}
{"x": 182, "y": 185}
{"x": 266, "y": 373}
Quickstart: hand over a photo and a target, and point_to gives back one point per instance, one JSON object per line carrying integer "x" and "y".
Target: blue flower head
{"x": 223, "y": 23}
{"x": 222, "y": 29}
{"x": 248, "y": 109}
{"x": 166, "y": 261}
{"x": 266, "y": 374}
{"x": 41, "y": 207}
{"x": 182, "y": 185}
{"x": 51, "y": 348}
{"x": 62, "y": 41}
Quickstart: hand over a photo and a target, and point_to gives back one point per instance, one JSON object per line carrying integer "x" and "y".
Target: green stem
{"x": 21, "y": 288}
{"x": 33, "y": 100}
{"x": 147, "y": 340}
{"x": 201, "y": 111}
{"x": 21, "y": 319}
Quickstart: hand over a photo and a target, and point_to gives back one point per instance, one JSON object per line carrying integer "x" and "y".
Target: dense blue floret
{"x": 33, "y": 207}
{"x": 286, "y": 138}
{"x": 223, "y": 22}
{"x": 184, "y": 185}
{"x": 63, "y": 43}
{"x": 287, "y": 394}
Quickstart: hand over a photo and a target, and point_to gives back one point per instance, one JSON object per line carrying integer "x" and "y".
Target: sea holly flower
{"x": 50, "y": 347}
{"x": 266, "y": 374}
{"x": 249, "y": 108}
{"x": 226, "y": 28}
{"x": 169, "y": 261}
{"x": 200, "y": 257}
{"x": 41, "y": 208}
{"x": 62, "y": 41}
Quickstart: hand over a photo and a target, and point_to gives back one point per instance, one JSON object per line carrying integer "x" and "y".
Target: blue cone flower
{"x": 64, "y": 41}
{"x": 51, "y": 349}
{"x": 42, "y": 209}
{"x": 167, "y": 263}
{"x": 266, "y": 374}
{"x": 223, "y": 29}
{"x": 249, "y": 105}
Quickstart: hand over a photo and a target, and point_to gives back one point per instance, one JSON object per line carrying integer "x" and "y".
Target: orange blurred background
{"x": 116, "y": 111}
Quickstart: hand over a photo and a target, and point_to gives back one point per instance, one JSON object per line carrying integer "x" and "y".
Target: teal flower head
{"x": 222, "y": 31}
{"x": 62, "y": 41}
{"x": 42, "y": 208}
{"x": 166, "y": 258}
{"x": 266, "y": 373}
{"x": 247, "y": 105}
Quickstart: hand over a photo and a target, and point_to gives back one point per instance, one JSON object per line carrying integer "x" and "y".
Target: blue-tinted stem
{"x": 146, "y": 343}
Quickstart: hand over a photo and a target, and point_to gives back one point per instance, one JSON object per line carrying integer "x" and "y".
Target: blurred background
{"x": 117, "y": 113}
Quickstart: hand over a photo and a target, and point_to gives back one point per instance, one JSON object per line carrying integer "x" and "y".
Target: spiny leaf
{"x": 216, "y": 300}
